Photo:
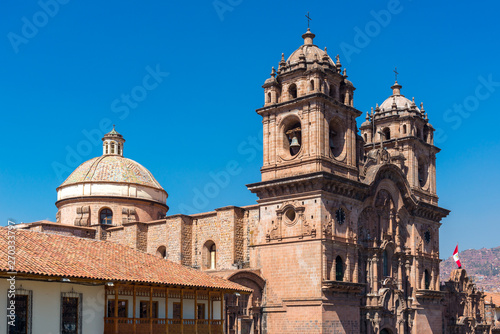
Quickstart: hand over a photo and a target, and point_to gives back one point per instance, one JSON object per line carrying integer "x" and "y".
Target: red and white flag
{"x": 456, "y": 258}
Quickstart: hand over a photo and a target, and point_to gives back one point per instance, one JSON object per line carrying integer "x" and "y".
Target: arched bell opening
{"x": 292, "y": 140}
{"x": 336, "y": 138}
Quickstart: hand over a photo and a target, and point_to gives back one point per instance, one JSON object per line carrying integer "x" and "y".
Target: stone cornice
{"x": 340, "y": 286}
{"x": 310, "y": 182}
{"x": 324, "y": 181}
{"x": 304, "y": 99}
{"x": 430, "y": 294}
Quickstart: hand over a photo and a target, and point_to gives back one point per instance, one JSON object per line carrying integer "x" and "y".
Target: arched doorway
{"x": 244, "y": 312}
{"x": 385, "y": 331}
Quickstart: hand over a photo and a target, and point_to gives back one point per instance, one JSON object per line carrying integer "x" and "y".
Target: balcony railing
{"x": 157, "y": 326}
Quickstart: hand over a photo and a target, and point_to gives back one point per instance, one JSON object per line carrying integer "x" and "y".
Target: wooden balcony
{"x": 161, "y": 326}
{"x": 139, "y": 320}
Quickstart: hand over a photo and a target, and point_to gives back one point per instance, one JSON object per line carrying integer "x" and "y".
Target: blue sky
{"x": 67, "y": 70}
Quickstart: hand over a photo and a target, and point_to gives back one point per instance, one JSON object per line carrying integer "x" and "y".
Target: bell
{"x": 332, "y": 145}
{"x": 294, "y": 145}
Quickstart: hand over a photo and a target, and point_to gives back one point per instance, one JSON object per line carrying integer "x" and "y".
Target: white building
{"x": 71, "y": 285}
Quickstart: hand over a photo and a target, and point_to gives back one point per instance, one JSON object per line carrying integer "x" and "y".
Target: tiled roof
{"x": 112, "y": 168}
{"x": 62, "y": 256}
{"x": 492, "y": 296}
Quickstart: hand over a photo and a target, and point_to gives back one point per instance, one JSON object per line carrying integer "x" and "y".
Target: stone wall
{"x": 124, "y": 210}
{"x": 157, "y": 235}
{"x": 66, "y": 230}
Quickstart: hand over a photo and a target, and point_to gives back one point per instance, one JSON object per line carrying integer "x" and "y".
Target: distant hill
{"x": 483, "y": 265}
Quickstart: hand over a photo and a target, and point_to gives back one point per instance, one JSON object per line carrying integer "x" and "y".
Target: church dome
{"x": 401, "y": 102}
{"x": 309, "y": 51}
{"x": 112, "y": 168}
{"x": 112, "y": 175}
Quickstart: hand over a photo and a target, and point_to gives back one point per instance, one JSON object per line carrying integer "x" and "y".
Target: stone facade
{"x": 345, "y": 235}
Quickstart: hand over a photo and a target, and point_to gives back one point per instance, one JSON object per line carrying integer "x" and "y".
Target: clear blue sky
{"x": 65, "y": 72}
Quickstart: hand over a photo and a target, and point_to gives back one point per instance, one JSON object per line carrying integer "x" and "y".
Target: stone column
{"x": 266, "y": 139}
{"x": 416, "y": 276}
{"x": 348, "y": 267}
{"x": 375, "y": 272}
{"x": 369, "y": 275}
{"x": 421, "y": 273}
{"x": 356, "y": 269}
{"x": 400, "y": 273}
{"x": 272, "y": 138}
{"x": 433, "y": 277}
{"x": 391, "y": 222}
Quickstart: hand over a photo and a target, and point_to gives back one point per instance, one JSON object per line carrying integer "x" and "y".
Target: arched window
{"x": 427, "y": 279}
{"x": 336, "y": 138}
{"x": 404, "y": 128}
{"x": 293, "y": 138}
{"x": 292, "y": 91}
{"x": 161, "y": 252}
{"x": 387, "y": 133}
{"x": 332, "y": 90}
{"x": 385, "y": 264}
{"x": 311, "y": 85}
{"x": 339, "y": 269}
{"x": 106, "y": 217}
{"x": 107, "y": 148}
{"x": 422, "y": 172}
{"x": 212, "y": 257}
{"x": 366, "y": 137}
{"x": 119, "y": 149}
{"x": 112, "y": 148}
{"x": 209, "y": 257}
{"x": 269, "y": 97}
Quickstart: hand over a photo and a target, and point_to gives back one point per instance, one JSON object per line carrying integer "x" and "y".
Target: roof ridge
{"x": 94, "y": 165}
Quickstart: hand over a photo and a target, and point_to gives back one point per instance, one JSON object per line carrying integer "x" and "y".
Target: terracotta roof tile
{"x": 63, "y": 256}
{"x": 492, "y": 296}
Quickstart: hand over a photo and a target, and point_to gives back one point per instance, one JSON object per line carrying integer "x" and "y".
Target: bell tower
{"x": 309, "y": 190}
{"x": 308, "y": 116}
{"x": 403, "y": 130}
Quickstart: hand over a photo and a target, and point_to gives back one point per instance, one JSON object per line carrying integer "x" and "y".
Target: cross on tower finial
{"x": 396, "y": 73}
{"x": 308, "y": 20}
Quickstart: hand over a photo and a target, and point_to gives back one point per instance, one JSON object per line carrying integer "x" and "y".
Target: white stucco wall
{"x": 216, "y": 311}
{"x": 47, "y": 309}
{"x": 111, "y": 189}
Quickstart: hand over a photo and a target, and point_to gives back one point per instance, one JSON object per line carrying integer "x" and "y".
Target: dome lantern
{"x": 396, "y": 88}
{"x": 308, "y": 37}
{"x": 112, "y": 143}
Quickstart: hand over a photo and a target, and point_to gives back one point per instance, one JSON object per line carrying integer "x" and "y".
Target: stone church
{"x": 344, "y": 237}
